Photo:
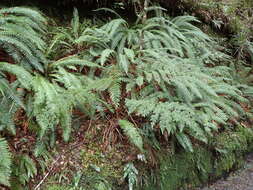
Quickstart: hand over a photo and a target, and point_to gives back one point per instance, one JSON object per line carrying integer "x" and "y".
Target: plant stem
{"x": 144, "y": 18}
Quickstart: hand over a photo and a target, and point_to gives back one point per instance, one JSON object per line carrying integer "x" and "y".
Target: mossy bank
{"x": 188, "y": 170}
{"x": 182, "y": 170}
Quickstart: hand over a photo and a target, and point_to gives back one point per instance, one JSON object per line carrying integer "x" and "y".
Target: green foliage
{"x": 52, "y": 104}
{"x": 10, "y": 102}
{"x": 155, "y": 70}
{"x": 243, "y": 45}
{"x": 65, "y": 39}
{"x": 24, "y": 169}
{"x": 94, "y": 181}
{"x": 5, "y": 163}
{"x": 185, "y": 169}
{"x": 232, "y": 146}
{"x": 132, "y": 133}
{"x": 21, "y": 36}
{"x": 56, "y": 187}
{"x": 163, "y": 61}
{"x": 83, "y": 181}
{"x": 130, "y": 173}
{"x": 47, "y": 99}
{"x": 166, "y": 59}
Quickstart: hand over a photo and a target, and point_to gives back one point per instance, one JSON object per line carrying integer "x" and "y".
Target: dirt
{"x": 239, "y": 180}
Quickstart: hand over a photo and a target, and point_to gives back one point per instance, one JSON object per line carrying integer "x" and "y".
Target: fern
{"x": 165, "y": 58}
{"x": 67, "y": 39}
{"x": 5, "y": 163}
{"x": 131, "y": 173}
{"x": 170, "y": 66}
{"x": 51, "y": 107}
{"x": 10, "y": 102}
{"x": 155, "y": 68}
{"x": 132, "y": 133}
{"x": 7, "y": 112}
{"x": 21, "y": 36}
{"x": 24, "y": 169}
{"x": 54, "y": 98}
{"x": 115, "y": 93}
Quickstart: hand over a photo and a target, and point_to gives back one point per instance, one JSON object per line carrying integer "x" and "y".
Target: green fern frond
{"x": 115, "y": 93}
{"x": 105, "y": 55}
{"x": 50, "y": 106}
{"x": 24, "y": 12}
{"x": 75, "y": 22}
{"x": 132, "y": 133}
{"x": 5, "y": 163}
{"x": 24, "y": 77}
{"x": 73, "y": 61}
{"x": 24, "y": 169}
{"x": 130, "y": 173}
{"x": 21, "y": 35}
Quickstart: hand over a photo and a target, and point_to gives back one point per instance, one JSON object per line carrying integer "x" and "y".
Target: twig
{"x": 44, "y": 178}
{"x": 145, "y": 7}
{"x": 144, "y": 18}
{"x": 53, "y": 164}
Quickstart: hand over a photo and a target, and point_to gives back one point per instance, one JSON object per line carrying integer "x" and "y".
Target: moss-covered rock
{"x": 187, "y": 170}
{"x": 232, "y": 16}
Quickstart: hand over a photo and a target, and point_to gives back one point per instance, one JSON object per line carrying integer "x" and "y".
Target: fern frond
{"x": 24, "y": 169}
{"x": 73, "y": 61}
{"x": 5, "y": 163}
{"x": 25, "y": 12}
{"x": 75, "y": 22}
{"x": 105, "y": 55}
{"x": 21, "y": 35}
{"x": 130, "y": 173}
{"x": 132, "y": 133}
{"x": 115, "y": 93}
{"x": 23, "y": 76}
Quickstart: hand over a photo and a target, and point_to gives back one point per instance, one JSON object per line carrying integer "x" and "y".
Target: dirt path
{"x": 240, "y": 180}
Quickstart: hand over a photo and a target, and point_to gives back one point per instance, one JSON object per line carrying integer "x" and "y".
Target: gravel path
{"x": 240, "y": 180}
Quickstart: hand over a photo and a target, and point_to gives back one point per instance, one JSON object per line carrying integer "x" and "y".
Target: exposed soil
{"x": 239, "y": 180}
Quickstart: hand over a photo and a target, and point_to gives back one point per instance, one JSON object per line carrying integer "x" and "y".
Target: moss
{"x": 232, "y": 147}
{"x": 100, "y": 166}
{"x": 108, "y": 163}
{"x": 56, "y": 187}
{"x": 187, "y": 170}
{"x": 235, "y": 15}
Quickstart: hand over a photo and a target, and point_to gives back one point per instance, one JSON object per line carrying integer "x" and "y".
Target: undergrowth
{"x": 159, "y": 82}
